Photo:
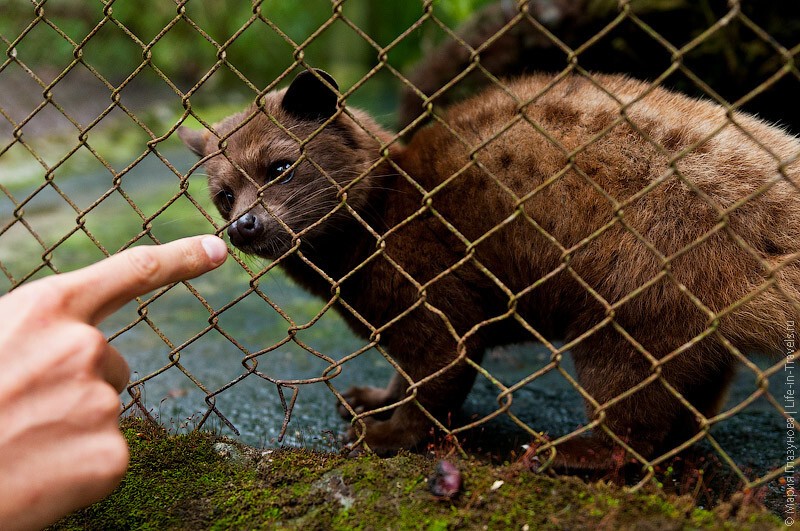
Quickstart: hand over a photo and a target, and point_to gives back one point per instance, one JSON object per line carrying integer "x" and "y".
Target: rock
{"x": 228, "y": 451}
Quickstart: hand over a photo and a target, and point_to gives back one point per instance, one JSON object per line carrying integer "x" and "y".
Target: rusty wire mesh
{"x": 48, "y": 247}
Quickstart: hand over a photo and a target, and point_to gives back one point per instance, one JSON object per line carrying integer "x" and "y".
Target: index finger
{"x": 101, "y": 289}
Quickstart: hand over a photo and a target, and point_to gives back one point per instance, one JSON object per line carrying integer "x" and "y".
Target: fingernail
{"x": 215, "y": 248}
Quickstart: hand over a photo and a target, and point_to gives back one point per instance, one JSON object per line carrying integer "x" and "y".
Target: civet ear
{"x": 194, "y": 139}
{"x": 309, "y": 98}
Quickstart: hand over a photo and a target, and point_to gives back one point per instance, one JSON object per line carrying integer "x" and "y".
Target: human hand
{"x": 60, "y": 444}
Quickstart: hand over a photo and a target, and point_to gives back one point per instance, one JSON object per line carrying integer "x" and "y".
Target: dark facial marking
{"x": 224, "y": 200}
{"x": 283, "y": 170}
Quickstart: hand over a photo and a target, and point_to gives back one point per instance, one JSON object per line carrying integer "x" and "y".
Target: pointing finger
{"x": 102, "y": 288}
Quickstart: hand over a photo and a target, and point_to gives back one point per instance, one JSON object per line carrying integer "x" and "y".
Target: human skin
{"x": 60, "y": 443}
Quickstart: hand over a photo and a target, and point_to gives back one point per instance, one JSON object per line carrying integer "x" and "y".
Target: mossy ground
{"x": 202, "y": 481}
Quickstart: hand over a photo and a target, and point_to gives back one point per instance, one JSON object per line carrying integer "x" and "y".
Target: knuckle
{"x": 143, "y": 262}
{"x": 118, "y": 453}
{"x": 45, "y": 297}
{"x": 93, "y": 338}
{"x": 104, "y": 401}
{"x": 113, "y": 455}
{"x": 57, "y": 298}
{"x": 91, "y": 342}
{"x": 193, "y": 258}
{"x": 80, "y": 349}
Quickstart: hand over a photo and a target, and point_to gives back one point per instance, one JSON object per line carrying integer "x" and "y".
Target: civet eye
{"x": 224, "y": 200}
{"x": 282, "y": 169}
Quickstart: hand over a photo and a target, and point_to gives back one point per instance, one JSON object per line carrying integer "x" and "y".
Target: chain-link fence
{"x": 679, "y": 261}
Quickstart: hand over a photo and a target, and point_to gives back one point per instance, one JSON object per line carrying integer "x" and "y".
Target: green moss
{"x": 702, "y": 518}
{"x": 184, "y": 482}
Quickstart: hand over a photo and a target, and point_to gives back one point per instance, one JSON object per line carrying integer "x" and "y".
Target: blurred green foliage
{"x": 117, "y": 38}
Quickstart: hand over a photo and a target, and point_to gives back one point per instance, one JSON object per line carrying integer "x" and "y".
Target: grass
{"x": 203, "y": 481}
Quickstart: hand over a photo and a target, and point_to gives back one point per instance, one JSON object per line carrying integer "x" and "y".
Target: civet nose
{"x": 245, "y": 229}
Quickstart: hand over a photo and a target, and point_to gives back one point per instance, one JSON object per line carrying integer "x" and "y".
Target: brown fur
{"x": 446, "y": 306}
